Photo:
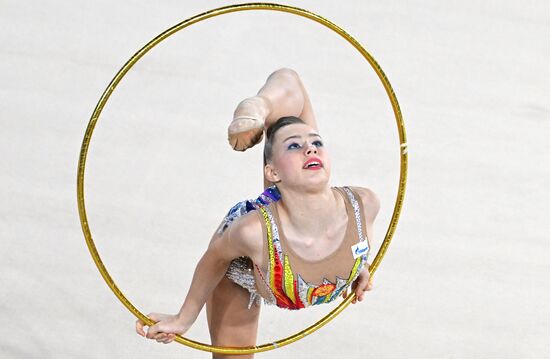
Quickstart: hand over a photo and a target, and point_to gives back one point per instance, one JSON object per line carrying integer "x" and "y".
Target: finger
{"x": 139, "y": 328}
{"x": 360, "y": 290}
{"x": 361, "y": 295}
{"x": 168, "y": 338}
{"x": 152, "y": 332}
{"x": 345, "y": 294}
{"x": 369, "y": 285}
{"x": 362, "y": 285}
{"x": 160, "y": 337}
{"x": 367, "y": 273}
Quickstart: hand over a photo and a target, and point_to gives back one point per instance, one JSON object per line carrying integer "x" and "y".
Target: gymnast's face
{"x": 299, "y": 158}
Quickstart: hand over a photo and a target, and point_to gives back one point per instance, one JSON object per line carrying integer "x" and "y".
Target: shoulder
{"x": 246, "y": 234}
{"x": 370, "y": 201}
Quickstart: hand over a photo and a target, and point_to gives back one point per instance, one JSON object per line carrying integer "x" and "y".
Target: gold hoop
{"x": 122, "y": 72}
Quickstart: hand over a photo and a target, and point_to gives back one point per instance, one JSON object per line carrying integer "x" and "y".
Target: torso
{"x": 295, "y": 279}
{"x": 320, "y": 242}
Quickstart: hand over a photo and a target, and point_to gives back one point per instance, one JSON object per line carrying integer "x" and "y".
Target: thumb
{"x": 369, "y": 284}
{"x": 362, "y": 285}
{"x": 155, "y": 328}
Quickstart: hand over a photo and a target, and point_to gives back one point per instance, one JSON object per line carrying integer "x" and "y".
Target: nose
{"x": 311, "y": 149}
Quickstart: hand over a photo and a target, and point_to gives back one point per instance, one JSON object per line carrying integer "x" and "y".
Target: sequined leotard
{"x": 289, "y": 279}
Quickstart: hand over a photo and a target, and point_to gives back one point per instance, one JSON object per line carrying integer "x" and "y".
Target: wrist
{"x": 186, "y": 317}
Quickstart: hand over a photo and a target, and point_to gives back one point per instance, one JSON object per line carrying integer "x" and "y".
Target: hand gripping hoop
{"x": 120, "y": 75}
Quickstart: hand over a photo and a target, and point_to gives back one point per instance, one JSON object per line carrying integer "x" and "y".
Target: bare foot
{"x": 247, "y": 127}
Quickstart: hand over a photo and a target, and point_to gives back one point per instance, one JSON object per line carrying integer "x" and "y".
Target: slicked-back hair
{"x": 272, "y": 130}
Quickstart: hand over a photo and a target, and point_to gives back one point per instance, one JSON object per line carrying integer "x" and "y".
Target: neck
{"x": 309, "y": 213}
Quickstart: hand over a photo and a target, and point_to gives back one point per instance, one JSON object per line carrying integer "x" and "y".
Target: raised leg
{"x": 283, "y": 94}
{"x": 287, "y": 96}
{"x": 230, "y": 321}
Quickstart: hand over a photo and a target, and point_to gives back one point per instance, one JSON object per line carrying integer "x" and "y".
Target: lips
{"x": 313, "y": 163}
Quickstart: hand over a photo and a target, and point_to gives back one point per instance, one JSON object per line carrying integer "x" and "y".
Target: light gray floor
{"x": 467, "y": 273}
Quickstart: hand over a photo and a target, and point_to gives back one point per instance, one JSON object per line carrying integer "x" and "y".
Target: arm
{"x": 237, "y": 241}
{"x": 371, "y": 206}
{"x": 209, "y": 271}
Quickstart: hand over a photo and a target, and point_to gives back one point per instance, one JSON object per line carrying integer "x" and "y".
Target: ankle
{"x": 257, "y": 107}
{"x": 266, "y": 108}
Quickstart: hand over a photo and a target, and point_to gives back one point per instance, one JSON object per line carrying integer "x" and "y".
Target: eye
{"x": 317, "y": 143}
{"x": 293, "y": 146}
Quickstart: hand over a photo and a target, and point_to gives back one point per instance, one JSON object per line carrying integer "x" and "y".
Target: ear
{"x": 271, "y": 174}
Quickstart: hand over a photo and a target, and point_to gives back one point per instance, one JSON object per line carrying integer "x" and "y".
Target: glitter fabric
{"x": 357, "y": 212}
{"x": 240, "y": 272}
{"x": 271, "y": 194}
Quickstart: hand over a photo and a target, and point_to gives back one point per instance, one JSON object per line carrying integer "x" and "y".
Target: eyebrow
{"x": 313, "y": 134}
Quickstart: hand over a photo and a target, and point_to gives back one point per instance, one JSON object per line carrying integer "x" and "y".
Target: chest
{"x": 314, "y": 248}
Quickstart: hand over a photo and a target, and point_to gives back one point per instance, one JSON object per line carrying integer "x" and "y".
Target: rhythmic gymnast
{"x": 300, "y": 243}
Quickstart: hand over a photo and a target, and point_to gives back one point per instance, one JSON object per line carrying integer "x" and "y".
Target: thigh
{"x": 230, "y": 322}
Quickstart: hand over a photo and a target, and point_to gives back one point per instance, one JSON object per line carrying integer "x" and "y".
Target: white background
{"x": 467, "y": 272}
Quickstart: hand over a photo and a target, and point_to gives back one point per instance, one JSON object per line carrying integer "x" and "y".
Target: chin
{"x": 308, "y": 183}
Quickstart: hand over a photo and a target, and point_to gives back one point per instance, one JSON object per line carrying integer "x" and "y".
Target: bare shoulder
{"x": 371, "y": 202}
{"x": 246, "y": 234}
